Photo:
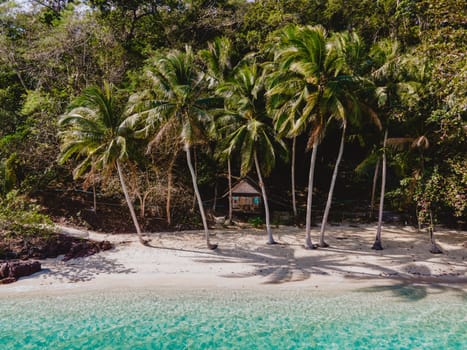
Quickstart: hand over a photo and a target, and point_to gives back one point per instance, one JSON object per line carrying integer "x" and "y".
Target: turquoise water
{"x": 404, "y": 317}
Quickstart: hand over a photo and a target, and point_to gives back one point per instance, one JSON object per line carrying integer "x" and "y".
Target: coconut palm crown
{"x": 253, "y": 137}
{"x": 93, "y": 130}
{"x": 311, "y": 87}
{"x": 175, "y": 104}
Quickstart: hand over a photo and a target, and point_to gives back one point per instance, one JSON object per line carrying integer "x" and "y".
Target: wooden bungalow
{"x": 245, "y": 197}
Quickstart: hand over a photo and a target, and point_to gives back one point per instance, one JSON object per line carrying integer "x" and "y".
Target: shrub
{"x": 257, "y": 222}
{"x": 20, "y": 217}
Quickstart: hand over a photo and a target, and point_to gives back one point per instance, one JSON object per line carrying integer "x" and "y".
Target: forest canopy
{"x": 171, "y": 74}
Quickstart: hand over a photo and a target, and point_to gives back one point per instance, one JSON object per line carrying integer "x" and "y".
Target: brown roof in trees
{"x": 244, "y": 187}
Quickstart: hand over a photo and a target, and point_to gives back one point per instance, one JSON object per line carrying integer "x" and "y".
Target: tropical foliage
{"x": 90, "y": 87}
{"x": 92, "y": 131}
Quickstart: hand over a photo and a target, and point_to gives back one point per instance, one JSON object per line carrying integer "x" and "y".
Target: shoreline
{"x": 180, "y": 261}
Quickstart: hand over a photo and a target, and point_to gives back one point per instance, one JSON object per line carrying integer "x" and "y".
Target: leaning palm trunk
{"x": 292, "y": 176}
{"x": 373, "y": 189}
{"x": 377, "y": 245}
{"x": 195, "y": 172}
{"x": 308, "y": 243}
{"x": 168, "y": 202}
{"x": 265, "y": 200}
{"x": 214, "y": 201}
{"x": 198, "y": 197}
{"x": 130, "y": 205}
{"x": 94, "y": 198}
{"x": 434, "y": 247}
{"x": 322, "y": 243}
{"x": 229, "y": 170}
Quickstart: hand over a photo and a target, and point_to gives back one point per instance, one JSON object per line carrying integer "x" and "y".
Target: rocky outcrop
{"x": 14, "y": 253}
{"x": 10, "y": 271}
{"x": 86, "y": 248}
{"x": 51, "y": 247}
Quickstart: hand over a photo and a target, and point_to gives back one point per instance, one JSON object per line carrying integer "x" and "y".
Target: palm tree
{"x": 418, "y": 189}
{"x": 285, "y": 117}
{"x": 395, "y": 76}
{"x": 377, "y": 245}
{"x": 311, "y": 74}
{"x": 253, "y": 136}
{"x": 92, "y": 130}
{"x": 218, "y": 61}
{"x": 179, "y": 107}
{"x": 372, "y": 161}
{"x": 346, "y": 100}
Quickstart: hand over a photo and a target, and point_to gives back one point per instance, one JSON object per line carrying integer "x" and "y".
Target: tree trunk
{"x": 214, "y": 202}
{"x": 140, "y": 200}
{"x": 419, "y": 224}
{"x": 434, "y": 247}
{"x": 198, "y": 197}
{"x": 265, "y": 200}
{"x": 292, "y": 175}
{"x": 373, "y": 189}
{"x": 377, "y": 245}
{"x": 143, "y": 203}
{"x": 168, "y": 201}
{"x": 308, "y": 243}
{"x": 195, "y": 171}
{"x": 322, "y": 243}
{"x": 229, "y": 170}
{"x": 130, "y": 205}
{"x": 94, "y": 200}
{"x": 21, "y": 80}
{"x": 14, "y": 66}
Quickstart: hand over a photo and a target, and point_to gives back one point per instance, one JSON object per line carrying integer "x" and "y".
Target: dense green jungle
{"x": 125, "y": 115}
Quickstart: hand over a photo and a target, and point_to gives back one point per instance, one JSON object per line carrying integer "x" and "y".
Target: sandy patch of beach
{"x": 179, "y": 260}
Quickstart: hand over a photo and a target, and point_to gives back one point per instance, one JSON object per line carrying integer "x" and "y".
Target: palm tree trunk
{"x": 265, "y": 200}
{"x": 94, "y": 200}
{"x": 292, "y": 176}
{"x": 419, "y": 224}
{"x": 373, "y": 189}
{"x": 377, "y": 245}
{"x": 229, "y": 170}
{"x": 322, "y": 243}
{"x": 308, "y": 243}
{"x": 434, "y": 247}
{"x": 198, "y": 197}
{"x": 214, "y": 202}
{"x": 195, "y": 171}
{"x": 168, "y": 202}
{"x": 130, "y": 205}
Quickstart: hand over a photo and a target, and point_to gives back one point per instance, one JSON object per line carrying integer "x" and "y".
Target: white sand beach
{"x": 181, "y": 260}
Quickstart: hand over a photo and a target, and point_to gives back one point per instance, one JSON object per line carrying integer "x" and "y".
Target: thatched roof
{"x": 243, "y": 187}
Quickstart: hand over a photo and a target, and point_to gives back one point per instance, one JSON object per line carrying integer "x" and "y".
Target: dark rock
{"x": 83, "y": 248}
{"x": 43, "y": 247}
{"x": 23, "y": 268}
{"x": 105, "y": 245}
{"x": 17, "y": 269}
{"x": 61, "y": 245}
{"x": 4, "y": 270}
{"x": 7, "y": 280}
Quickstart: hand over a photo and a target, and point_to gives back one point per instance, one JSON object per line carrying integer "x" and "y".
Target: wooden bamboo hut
{"x": 245, "y": 197}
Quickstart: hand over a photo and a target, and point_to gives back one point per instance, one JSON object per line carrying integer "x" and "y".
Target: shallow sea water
{"x": 401, "y": 317}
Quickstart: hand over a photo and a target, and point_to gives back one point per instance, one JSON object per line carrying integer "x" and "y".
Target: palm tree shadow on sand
{"x": 285, "y": 263}
{"x": 83, "y": 269}
{"x": 278, "y": 264}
